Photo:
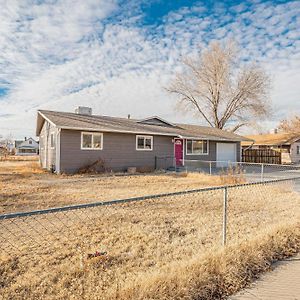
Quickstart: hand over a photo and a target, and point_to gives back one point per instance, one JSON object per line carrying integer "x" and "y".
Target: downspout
{"x": 47, "y": 145}
{"x": 57, "y": 162}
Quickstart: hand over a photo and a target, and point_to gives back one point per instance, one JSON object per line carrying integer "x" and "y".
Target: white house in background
{"x": 27, "y": 147}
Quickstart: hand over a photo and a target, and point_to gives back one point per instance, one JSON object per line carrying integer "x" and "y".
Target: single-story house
{"x": 28, "y": 146}
{"x": 287, "y": 144}
{"x": 70, "y": 141}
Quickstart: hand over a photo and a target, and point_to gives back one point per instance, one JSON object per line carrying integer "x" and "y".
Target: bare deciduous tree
{"x": 292, "y": 125}
{"x": 223, "y": 93}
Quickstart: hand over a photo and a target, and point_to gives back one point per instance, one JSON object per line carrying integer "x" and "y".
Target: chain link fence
{"x": 252, "y": 172}
{"x": 88, "y": 223}
{"x": 110, "y": 243}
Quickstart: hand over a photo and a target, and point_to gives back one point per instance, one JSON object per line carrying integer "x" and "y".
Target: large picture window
{"x": 144, "y": 142}
{"x": 196, "y": 147}
{"x": 91, "y": 141}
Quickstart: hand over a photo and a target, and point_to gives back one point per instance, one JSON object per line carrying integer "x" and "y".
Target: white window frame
{"x": 194, "y": 140}
{"x": 92, "y": 134}
{"x": 143, "y": 136}
{"x": 52, "y": 145}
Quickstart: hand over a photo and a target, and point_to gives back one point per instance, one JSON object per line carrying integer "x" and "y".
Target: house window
{"x": 30, "y": 142}
{"x": 91, "y": 141}
{"x": 144, "y": 142}
{"x": 298, "y": 150}
{"x": 196, "y": 147}
{"x": 52, "y": 144}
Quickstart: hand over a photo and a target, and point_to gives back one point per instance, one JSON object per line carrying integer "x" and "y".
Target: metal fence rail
{"x": 101, "y": 246}
{"x": 135, "y": 199}
{"x": 48, "y": 226}
{"x": 252, "y": 172}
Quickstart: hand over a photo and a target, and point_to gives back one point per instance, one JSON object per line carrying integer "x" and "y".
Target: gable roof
{"x": 272, "y": 139}
{"x": 25, "y": 143}
{"x": 66, "y": 120}
{"x": 155, "y": 120}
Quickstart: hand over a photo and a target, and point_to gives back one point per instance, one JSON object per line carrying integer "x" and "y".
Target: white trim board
{"x": 143, "y": 136}
{"x": 197, "y": 154}
{"x": 93, "y": 134}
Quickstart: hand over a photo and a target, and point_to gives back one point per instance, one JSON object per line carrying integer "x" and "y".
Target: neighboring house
{"x": 70, "y": 141}
{"x": 26, "y": 147}
{"x": 285, "y": 143}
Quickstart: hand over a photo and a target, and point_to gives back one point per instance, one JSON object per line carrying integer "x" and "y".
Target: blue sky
{"x": 116, "y": 56}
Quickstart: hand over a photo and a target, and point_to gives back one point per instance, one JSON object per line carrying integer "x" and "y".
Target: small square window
{"x": 144, "y": 142}
{"x": 92, "y": 141}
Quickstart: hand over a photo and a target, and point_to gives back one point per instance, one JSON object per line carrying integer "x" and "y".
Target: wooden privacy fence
{"x": 266, "y": 156}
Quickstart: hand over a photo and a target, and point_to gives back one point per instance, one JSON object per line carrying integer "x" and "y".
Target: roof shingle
{"x": 66, "y": 120}
{"x": 272, "y": 139}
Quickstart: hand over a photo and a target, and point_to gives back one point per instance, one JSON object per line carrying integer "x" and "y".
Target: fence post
{"x": 174, "y": 163}
{"x": 210, "y": 168}
{"x": 225, "y": 198}
{"x": 262, "y": 173}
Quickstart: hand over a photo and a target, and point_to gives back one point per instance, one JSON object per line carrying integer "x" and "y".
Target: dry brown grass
{"x": 24, "y": 186}
{"x": 166, "y": 248}
{"x": 19, "y": 158}
{"x": 219, "y": 273}
{"x": 234, "y": 175}
{"x": 20, "y": 167}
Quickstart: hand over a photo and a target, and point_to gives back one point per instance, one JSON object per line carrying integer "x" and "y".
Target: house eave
{"x": 117, "y": 131}
{"x": 210, "y": 138}
{"x": 145, "y": 131}
{"x": 39, "y": 127}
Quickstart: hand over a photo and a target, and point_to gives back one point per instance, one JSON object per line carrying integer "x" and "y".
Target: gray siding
{"x": 295, "y": 158}
{"x": 47, "y": 154}
{"x": 118, "y": 153}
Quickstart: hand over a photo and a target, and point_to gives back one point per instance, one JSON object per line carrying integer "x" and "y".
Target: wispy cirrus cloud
{"x": 117, "y": 56}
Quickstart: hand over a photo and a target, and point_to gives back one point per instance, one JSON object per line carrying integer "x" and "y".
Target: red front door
{"x": 178, "y": 144}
